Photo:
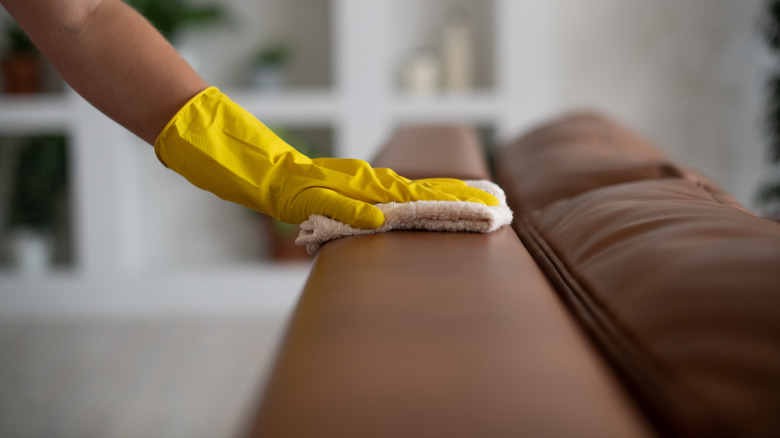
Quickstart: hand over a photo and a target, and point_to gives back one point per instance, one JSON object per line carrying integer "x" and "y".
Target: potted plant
{"x": 269, "y": 64}
{"x": 22, "y": 66}
{"x": 170, "y": 17}
{"x": 39, "y": 182}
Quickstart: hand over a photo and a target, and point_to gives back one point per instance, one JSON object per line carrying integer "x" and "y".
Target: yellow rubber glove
{"x": 220, "y": 147}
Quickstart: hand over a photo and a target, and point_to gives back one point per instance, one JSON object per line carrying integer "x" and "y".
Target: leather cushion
{"x": 682, "y": 292}
{"x": 714, "y": 189}
{"x": 572, "y": 155}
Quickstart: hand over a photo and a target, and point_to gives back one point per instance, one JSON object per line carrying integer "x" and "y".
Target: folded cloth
{"x": 456, "y": 216}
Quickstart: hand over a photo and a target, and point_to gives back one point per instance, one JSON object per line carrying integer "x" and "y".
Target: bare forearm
{"x": 113, "y": 57}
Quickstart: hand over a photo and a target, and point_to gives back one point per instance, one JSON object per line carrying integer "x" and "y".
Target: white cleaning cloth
{"x": 416, "y": 215}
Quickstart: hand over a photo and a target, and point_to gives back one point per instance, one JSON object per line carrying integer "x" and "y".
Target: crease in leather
{"x": 663, "y": 402}
{"x": 606, "y": 153}
{"x": 716, "y": 194}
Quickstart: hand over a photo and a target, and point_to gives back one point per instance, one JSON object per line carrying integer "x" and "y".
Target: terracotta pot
{"x": 281, "y": 239}
{"x": 22, "y": 73}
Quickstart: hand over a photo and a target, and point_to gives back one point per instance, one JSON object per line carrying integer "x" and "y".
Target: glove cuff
{"x": 159, "y": 144}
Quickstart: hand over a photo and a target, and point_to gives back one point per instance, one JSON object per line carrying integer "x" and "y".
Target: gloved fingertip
{"x": 367, "y": 217}
{"x": 491, "y": 200}
{"x": 433, "y": 182}
{"x": 481, "y": 196}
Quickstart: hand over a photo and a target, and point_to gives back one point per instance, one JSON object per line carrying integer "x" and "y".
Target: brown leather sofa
{"x": 639, "y": 300}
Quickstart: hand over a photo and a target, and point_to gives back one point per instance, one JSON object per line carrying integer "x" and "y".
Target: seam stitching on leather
{"x": 621, "y": 348}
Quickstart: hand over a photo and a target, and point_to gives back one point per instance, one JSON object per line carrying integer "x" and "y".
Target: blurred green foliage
{"x": 40, "y": 178}
{"x": 16, "y": 41}
{"x": 171, "y": 16}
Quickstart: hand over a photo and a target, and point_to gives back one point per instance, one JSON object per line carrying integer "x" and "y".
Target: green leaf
{"x": 40, "y": 178}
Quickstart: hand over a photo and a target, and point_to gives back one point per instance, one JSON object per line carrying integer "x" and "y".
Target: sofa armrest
{"x": 437, "y": 334}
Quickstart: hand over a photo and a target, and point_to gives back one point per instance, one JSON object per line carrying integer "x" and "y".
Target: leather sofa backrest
{"x": 676, "y": 282}
{"x": 574, "y": 154}
{"x": 435, "y": 151}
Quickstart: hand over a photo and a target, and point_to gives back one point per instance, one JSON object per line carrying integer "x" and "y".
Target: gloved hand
{"x": 220, "y": 147}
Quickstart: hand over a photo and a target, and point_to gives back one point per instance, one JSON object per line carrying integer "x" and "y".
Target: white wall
{"x": 688, "y": 74}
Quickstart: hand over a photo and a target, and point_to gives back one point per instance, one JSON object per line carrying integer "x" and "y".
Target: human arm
{"x": 113, "y": 57}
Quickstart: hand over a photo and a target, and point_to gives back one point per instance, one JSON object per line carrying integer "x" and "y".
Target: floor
{"x": 132, "y": 378}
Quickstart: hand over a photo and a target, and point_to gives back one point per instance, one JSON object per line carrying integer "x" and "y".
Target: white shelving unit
{"x": 34, "y": 114}
{"x": 146, "y": 240}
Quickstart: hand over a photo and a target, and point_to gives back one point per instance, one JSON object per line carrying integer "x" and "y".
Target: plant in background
{"x": 22, "y": 67}
{"x": 770, "y": 192}
{"x": 269, "y": 64}
{"x": 273, "y": 55}
{"x": 40, "y": 179}
{"x": 172, "y": 16}
{"x": 38, "y": 185}
{"x": 18, "y": 41}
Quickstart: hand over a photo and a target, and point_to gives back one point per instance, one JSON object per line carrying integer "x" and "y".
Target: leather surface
{"x": 424, "y": 334}
{"x": 435, "y": 151}
{"x": 572, "y": 155}
{"x": 682, "y": 291}
{"x": 713, "y": 188}
{"x": 677, "y": 282}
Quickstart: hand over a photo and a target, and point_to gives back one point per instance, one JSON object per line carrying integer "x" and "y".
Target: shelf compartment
{"x": 35, "y": 203}
{"x": 225, "y": 55}
{"x": 420, "y": 26}
{"x": 472, "y": 108}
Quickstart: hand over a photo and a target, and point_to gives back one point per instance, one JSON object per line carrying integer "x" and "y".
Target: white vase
{"x": 268, "y": 79}
{"x": 420, "y": 76}
{"x": 31, "y": 252}
{"x": 458, "y": 53}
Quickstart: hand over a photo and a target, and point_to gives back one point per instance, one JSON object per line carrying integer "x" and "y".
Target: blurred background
{"x": 133, "y": 304}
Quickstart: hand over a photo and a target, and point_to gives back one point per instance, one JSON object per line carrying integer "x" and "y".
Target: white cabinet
{"x": 144, "y": 238}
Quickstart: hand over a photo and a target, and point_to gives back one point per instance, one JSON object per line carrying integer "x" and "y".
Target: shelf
{"x": 420, "y": 26}
{"x": 224, "y": 55}
{"x": 37, "y": 113}
{"x": 291, "y": 107}
{"x": 475, "y": 107}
